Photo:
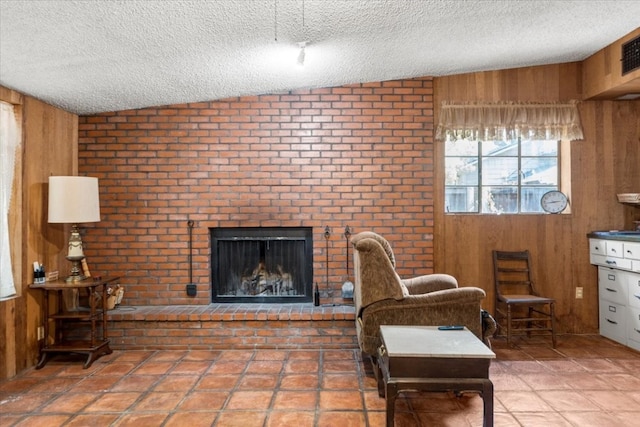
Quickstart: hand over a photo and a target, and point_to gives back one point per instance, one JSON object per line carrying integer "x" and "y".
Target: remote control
{"x": 451, "y": 328}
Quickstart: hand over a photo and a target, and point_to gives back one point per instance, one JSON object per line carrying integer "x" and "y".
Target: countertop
{"x": 625, "y": 235}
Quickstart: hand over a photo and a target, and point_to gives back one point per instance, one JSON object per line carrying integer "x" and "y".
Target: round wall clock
{"x": 554, "y": 201}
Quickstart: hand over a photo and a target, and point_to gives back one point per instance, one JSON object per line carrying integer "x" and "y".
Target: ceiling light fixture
{"x": 302, "y": 45}
{"x": 301, "y": 54}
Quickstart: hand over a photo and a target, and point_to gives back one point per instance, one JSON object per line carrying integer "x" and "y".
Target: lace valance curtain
{"x": 485, "y": 121}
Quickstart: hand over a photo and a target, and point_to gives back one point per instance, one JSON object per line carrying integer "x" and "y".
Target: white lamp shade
{"x": 73, "y": 199}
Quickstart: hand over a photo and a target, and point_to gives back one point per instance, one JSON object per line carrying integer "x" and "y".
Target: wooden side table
{"x": 98, "y": 343}
{"x": 428, "y": 359}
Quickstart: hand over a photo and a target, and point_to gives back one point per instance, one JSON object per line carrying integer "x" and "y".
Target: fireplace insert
{"x": 261, "y": 264}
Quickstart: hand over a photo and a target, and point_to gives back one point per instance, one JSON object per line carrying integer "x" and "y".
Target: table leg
{"x": 391, "y": 392}
{"x": 487, "y": 398}
{"x": 105, "y": 336}
{"x": 43, "y": 355}
{"x": 92, "y": 308}
{"x": 93, "y": 355}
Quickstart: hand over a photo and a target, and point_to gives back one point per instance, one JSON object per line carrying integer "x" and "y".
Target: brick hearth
{"x": 233, "y": 326}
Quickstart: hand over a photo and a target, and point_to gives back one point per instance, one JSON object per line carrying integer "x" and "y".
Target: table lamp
{"x": 74, "y": 200}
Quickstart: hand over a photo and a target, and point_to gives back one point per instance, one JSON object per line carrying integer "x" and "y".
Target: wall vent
{"x": 631, "y": 55}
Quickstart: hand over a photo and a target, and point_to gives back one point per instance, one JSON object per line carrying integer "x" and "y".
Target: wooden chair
{"x": 517, "y": 304}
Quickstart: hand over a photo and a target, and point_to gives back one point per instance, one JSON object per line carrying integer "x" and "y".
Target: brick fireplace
{"x": 358, "y": 155}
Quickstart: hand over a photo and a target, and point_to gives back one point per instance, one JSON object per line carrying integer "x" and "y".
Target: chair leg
{"x": 496, "y": 316}
{"x": 508, "y": 325}
{"x": 375, "y": 367}
{"x": 553, "y": 324}
{"x": 529, "y": 322}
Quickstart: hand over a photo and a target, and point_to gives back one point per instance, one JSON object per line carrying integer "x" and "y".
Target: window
{"x": 502, "y": 157}
{"x": 499, "y": 176}
{"x": 9, "y": 146}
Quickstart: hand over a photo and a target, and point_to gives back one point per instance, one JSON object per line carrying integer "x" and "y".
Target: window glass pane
{"x": 500, "y": 200}
{"x": 499, "y": 171}
{"x": 500, "y": 148}
{"x": 461, "y": 148}
{"x": 461, "y": 171}
{"x": 539, "y": 148}
{"x": 461, "y": 199}
{"x": 531, "y": 196}
{"x": 540, "y": 171}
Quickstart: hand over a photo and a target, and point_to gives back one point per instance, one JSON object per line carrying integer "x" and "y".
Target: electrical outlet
{"x": 40, "y": 333}
{"x": 579, "y": 293}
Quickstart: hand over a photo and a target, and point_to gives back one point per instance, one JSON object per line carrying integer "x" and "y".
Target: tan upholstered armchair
{"x": 381, "y": 297}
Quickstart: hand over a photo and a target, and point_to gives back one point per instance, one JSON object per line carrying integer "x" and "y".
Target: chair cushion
{"x": 525, "y": 299}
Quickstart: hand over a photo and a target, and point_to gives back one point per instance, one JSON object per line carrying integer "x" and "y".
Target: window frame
{"x": 562, "y": 157}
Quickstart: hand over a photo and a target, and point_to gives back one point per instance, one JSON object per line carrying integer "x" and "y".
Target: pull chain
{"x": 275, "y": 20}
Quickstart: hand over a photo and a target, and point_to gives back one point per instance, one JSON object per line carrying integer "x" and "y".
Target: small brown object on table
{"x": 93, "y": 347}
{"x": 428, "y": 359}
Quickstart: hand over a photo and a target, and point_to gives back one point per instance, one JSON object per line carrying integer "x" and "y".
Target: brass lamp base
{"x": 75, "y": 255}
{"x": 76, "y": 274}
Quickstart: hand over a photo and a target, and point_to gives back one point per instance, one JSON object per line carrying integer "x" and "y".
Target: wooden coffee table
{"x": 428, "y": 359}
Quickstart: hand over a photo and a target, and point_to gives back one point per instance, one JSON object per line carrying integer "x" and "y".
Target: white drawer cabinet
{"x": 615, "y": 248}
{"x": 612, "y": 285}
{"x": 632, "y": 252}
{"x": 634, "y": 290}
{"x": 618, "y": 289}
{"x": 613, "y": 321}
{"x": 610, "y": 253}
{"x": 597, "y": 247}
{"x": 633, "y": 328}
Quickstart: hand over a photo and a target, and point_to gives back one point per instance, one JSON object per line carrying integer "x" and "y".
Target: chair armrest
{"x": 430, "y": 283}
{"x": 455, "y": 295}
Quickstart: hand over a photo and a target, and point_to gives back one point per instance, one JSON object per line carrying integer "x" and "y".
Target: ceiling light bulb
{"x": 301, "y": 54}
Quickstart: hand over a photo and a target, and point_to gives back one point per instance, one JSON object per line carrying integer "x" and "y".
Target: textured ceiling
{"x": 107, "y": 55}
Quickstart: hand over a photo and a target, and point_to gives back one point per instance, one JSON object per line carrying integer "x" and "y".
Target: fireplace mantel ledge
{"x": 232, "y": 312}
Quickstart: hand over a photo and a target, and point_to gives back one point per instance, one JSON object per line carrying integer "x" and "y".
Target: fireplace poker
{"x": 327, "y": 234}
{"x": 191, "y": 287}
{"x": 347, "y": 286}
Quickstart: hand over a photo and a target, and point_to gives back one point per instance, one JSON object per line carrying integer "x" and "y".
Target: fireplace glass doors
{"x": 261, "y": 265}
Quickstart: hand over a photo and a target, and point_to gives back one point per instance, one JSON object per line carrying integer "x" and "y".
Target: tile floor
{"x": 586, "y": 381}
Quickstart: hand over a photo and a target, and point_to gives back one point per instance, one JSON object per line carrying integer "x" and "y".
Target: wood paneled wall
{"x": 49, "y": 147}
{"x": 603, "y": 164}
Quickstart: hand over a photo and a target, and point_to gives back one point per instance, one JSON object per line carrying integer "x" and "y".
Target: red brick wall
{"x": 358, "y": 155}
